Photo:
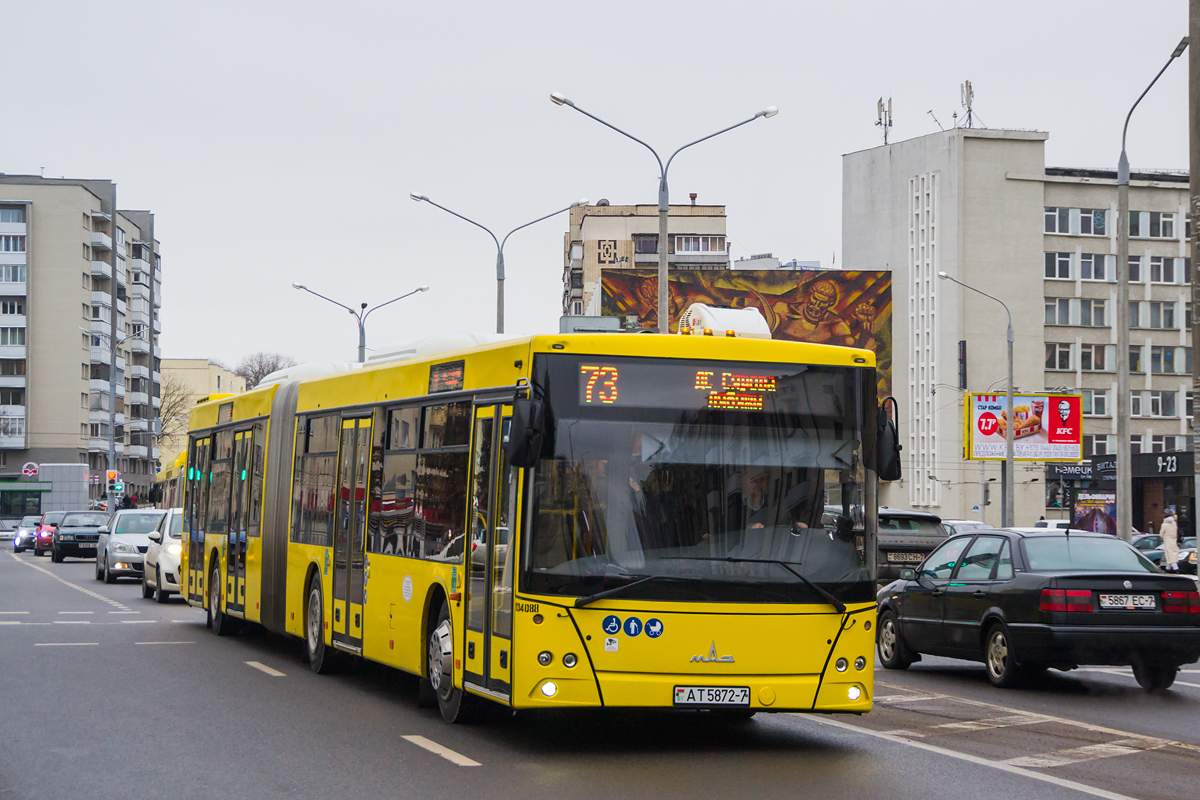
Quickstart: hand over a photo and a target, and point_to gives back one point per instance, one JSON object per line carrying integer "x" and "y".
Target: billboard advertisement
{"x": 851, "y": 309}
{"x": 1095, "y": 511}
{"x": 1046, "y": 427}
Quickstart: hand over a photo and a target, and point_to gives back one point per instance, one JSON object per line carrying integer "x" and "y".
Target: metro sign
{"x": 29, "y": 469}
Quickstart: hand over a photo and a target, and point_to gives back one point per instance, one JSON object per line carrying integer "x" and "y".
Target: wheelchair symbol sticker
{"x": 633, "y": 626}
{"x": 611, "y": 624}
{"x": 654, "y": 628}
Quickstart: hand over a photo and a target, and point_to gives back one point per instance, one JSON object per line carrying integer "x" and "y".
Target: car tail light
{"x": 1181, "y": 602}
{"x": 1066, "y": 600}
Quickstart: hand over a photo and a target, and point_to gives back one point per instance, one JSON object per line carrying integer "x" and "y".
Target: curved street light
{"x": 420, "y": 198}
{"x": 361, "y": 315}
{"x": 664, "y": 203}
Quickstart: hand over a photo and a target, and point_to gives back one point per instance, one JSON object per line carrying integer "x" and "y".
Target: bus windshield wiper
{"x": 826, "y": 596}
{"x": 591, "y": 598}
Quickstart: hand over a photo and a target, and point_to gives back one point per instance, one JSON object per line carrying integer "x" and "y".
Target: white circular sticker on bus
{"x": 407, "y": 588}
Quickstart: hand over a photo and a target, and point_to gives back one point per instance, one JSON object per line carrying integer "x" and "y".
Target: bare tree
{"x": 176, "y": 398}
{"x": 257, "y": 366}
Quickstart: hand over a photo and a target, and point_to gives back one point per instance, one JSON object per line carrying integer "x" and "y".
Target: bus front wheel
{"x": 320, "y": 659}
{"x": 455, "y": 704}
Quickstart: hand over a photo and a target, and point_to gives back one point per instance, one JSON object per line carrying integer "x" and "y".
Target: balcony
{"x": 102, "y": 269}
{"x": 157, "y": 324}
{"x": 138, "y": 451}
{"x": 12, "y": 427}
{"x": 137, "y": 399}
{"x": 156, "y": 402}
{"x": 137, "y": 425}
{"x": 156, "y": 377}
{"x": 101, "y": 327}
{"x": 101, "y": 355}
{"x": 120, "y": 306}
{"x": 12, "y": 351}
{"x": 139, "y": 371}
{"x": 139, "y": 290}
{"x": 102, "y": 299}
{"x": 12, "y": 381}
{"x": 139, "y": 316}
{"x": 154, "y": 453}
{"x": 98, "y": 415}
{"x": 13, "y": 321}
{"x": 101, "y": 241}
{"x": 14, "y": 228}
{"x": 101, "y": 446}
{"x": 15, "y": 288}
{"x": 139, "y": 345}
{"x": 100, "y": 385}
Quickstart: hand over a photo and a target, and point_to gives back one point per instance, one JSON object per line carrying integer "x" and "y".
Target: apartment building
{"x": 606, "y": 237}
{"x": 80, "y": 292}
{"x": 982, "y": 206}
{"x": 196, "y": 379}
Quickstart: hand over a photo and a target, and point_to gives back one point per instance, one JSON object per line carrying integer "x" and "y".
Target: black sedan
{"x": 1023, "y": 601}
{"x": 77, "y": 534}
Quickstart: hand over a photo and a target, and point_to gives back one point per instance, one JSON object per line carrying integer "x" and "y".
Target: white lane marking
{"x": 74, "y": 586}
{"x": 988, "y": 724}
{"x": 164, "y": 642}
{"x": 72, "y": 622}
{"x": 904, "y": 732}
{"x": 185, "y": 620}
{"x": 1125, "y": 672}
{"x": 258, "y": 665}
{"x": 14, "y": 612}
{"x": 1091, "y": 752}
{"x": 66, "y": 644}
{"x": 444, "y": 752}
{"x": 984, "y": 762}
{"x": 124, "y": 612}
{"x": 1087, "y": 726}
{"x": 137, "y": 622}
{"x": 907, "y": 698}
{"x": 77, "y": 612}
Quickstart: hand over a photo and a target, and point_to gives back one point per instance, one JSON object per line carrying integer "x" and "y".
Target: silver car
{"x": 26, "y": 535}
{"x": 160, "y": 576}
{"x": 124, "y": 541}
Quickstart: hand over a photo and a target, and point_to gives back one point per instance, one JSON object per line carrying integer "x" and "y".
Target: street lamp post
{"x": 361, "y": 315}
{"x": 664, "y": 205}
{"x": 417, "y": 196}
{"x": 1124, "y": 445}
{"x": 1006, "y": 486}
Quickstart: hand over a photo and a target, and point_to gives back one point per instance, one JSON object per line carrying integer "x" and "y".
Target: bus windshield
{"x": 721, "y": 480}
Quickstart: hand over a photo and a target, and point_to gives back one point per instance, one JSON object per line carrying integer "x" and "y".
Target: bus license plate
{"x": 712, "y": 696}
{"x": 1129, "y": 602}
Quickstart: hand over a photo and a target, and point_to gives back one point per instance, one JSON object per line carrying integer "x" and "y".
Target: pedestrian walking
{"x": 1169, "y": 531}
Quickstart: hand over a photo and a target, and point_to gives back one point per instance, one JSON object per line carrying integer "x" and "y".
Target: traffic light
{"x": 113, "y": 481}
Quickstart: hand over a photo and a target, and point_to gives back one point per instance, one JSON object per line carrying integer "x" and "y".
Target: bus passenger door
{"x": 489, "y": 577}
{"x": 197, "y": 511}
{"x": 235, "y": 551}
{"x": 349, "y": 544}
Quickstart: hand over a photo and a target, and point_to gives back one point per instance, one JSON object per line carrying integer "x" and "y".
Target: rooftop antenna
{"x": 968, "y": 95}
{"x": 884, "y": 117}
{"x": 935, "y": 119}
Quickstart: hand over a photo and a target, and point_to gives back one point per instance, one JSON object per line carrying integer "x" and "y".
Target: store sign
{"x": 1046, "y": 427}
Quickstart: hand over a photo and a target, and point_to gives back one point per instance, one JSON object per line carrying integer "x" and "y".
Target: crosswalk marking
{"x": 441, "y": 750}
{"x": 261, "y": 667}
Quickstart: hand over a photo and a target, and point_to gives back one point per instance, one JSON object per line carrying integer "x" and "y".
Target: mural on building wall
{"x": 851, "y": 309}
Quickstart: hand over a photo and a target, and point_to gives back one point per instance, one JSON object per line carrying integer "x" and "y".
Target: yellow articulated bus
{"x": 683, "y": 521}
{"x": 168, "y": 485}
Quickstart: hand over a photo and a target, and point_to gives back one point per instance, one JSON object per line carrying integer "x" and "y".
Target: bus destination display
{"x": 674, "y": 386}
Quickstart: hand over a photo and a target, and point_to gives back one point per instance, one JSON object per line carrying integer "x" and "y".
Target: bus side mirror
{"x": 525, "y": 434}
{"x": 887, "y": 442}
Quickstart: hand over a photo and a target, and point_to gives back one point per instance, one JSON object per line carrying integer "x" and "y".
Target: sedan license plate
{"x": 712, "y": 695}
{"x": 906, "y": 558}
{"x": 86, "y": 545}
{"x": 1129, "y": 602}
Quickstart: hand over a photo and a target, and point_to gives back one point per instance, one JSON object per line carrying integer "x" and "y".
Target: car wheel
{"x": 1154, "y": 677}
{"x": 37, "y": 551}
{"x": 1000, "y": 658}
{"x": 455, "y": 704}
{"x": 99, "y": 575}
{"x": 108, "y": 575}
{"x": 55, "y": 556}
{"x": 147, "y": 592}
{"x": 893, "y": 653}
{"x": 18, "y": 549}
{"x": 320, "y": 658}
{"x": 222, "y": 623}
{"x": 160, "y": 594}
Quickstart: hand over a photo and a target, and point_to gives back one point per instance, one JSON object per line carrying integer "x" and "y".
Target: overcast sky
{"x": 278, "y": 142}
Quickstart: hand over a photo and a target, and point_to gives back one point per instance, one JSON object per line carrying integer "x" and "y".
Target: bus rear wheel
{"x": 222, "y": 623}
{"x": 455, "y": 704}
{"x": 320, "y": 657}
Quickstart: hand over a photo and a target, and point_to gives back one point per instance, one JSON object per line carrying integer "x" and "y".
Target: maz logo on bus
{"x": 712, "y": 656}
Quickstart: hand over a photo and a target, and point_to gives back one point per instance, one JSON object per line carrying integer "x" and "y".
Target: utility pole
{"x": 1194, "y": 207}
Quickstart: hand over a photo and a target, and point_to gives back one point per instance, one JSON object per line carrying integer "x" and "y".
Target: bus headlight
{"x": 549, "y": 688}
{"x": 860, "y": 662}
{"x": 569, "y": 660}
{"x": 854, "y": 693}
{"x": 545, "y": 657}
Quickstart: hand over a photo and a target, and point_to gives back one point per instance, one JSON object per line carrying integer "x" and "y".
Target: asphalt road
{"x": 103, "y": 694}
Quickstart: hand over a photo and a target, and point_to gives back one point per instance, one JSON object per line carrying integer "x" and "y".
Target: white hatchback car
{"x": 160, "y": 577}
{"x": 124, "y": 541}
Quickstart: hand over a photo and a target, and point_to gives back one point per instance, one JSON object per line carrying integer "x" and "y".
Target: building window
{"x": 12, "y": 307}
{"x": 1162, "y": 315}
{"x": 12, "y": 397}
{"x": 1095, "y": 445}
{"x": 1162, "y": 403}
{"x": 1135, "y": 269}
{"x": 1162, "y": 270}
{"x": 1092, "y": 357}
{"x": 1058, "y": 311}
{"x": 1095, "y": 402}
{"x": 699, "y": 244}
{"x": 577, "y": 308}
{"x": 1058, "y": 356}
{"x": 12, "y": 214}
{"x": 1168, "y": 444}
{"x": 12, "y": 336}
{"x": 12, "y": 273}
{"x": 1162, "y": 359}
{"x": 12, "y": 244}
{"x": 12, "y": 425}
{"x": 1135, "y": 314}
{"x": 1092, "y": 266}
{"x": 121, "y": 237}
{"x": 1058, "y": 220}
{"x": 11, "y": 366}
{"x": 1135, "y": 358}
{"x": 1135, "y": 445}
{"x": 1091, "y": 314}
{"x": 1058, "y": 266}
{"x": 95, "y": 312}
{"x": 1092, "y": 221}
{"x": 645, "y": 243}
{"x": 1162, "y": 226}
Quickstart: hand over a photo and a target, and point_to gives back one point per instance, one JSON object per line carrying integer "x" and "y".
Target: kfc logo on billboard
{"x": 1064, "y": 420}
